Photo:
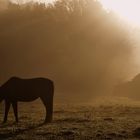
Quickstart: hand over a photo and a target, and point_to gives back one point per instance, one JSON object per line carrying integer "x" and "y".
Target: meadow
{"x": 73, "y": 122}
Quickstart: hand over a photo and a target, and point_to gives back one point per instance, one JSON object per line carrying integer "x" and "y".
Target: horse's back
{"x": 28, "y": 88}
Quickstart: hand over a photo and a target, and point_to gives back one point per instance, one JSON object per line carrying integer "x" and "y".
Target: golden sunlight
{"x": 127, "y": 9}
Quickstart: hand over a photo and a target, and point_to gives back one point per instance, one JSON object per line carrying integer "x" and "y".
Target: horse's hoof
{"x": 15, "y": 122}
{"x": 4, "y": 122}
{"x": 46, "y": 122}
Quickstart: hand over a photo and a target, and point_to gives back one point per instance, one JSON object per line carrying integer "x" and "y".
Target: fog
{"x": 85, "y": 50}
{"x": 3, "y": 4}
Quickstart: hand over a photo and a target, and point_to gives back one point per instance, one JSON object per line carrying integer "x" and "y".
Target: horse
{"x": 26, "y": 90}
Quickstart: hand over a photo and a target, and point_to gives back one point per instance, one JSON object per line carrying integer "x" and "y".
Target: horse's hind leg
{"x": 49, "y": 109}
{"x": 14, "y": 104}
{"x": 7, "y": 107}
{"x": 49, "y": 116}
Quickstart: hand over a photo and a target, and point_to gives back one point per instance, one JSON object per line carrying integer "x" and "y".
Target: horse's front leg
{"x": 15, "y": 108}
{"x": 7, "y": 107}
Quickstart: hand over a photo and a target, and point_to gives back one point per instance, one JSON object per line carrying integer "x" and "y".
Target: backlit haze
{"x": 127, "y": 9}
{"x": 86, "y": 47}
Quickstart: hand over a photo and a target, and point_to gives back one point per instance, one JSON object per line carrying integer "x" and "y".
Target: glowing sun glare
{"x": 129, "y": 10}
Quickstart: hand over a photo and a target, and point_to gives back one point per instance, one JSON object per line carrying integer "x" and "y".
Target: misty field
{"x": 79, "y": 122}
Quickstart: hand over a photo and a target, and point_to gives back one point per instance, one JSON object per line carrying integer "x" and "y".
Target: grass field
{"x": 78, "y": 122}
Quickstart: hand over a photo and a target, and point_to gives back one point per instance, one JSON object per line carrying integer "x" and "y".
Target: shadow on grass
{"x": 18, "y": 131}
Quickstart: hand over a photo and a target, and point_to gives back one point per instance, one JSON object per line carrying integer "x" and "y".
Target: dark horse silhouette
{"x": 26, "y": 90}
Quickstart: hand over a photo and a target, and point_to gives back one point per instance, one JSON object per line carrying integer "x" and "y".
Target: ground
{"x": 73, "y": 122}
